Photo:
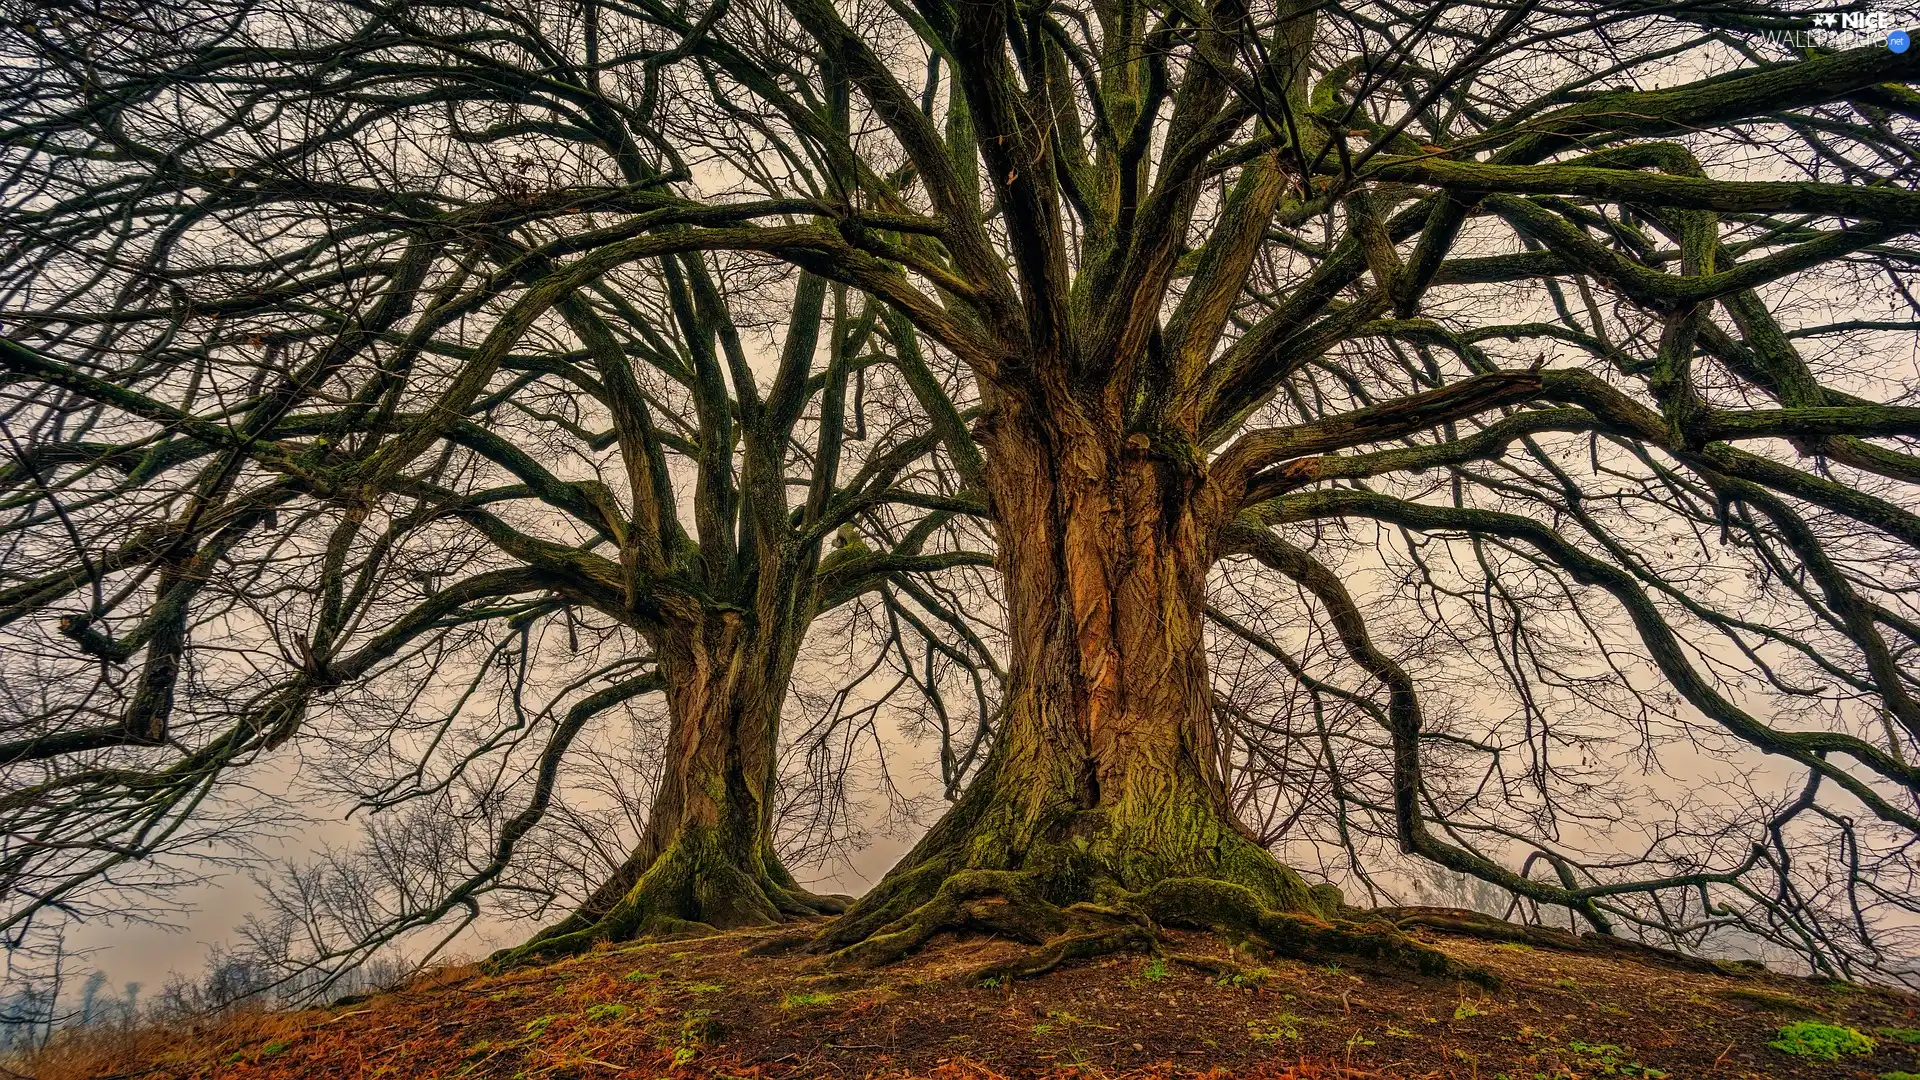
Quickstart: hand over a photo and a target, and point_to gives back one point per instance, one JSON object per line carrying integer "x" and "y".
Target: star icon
{"x": 1823, "y": 18}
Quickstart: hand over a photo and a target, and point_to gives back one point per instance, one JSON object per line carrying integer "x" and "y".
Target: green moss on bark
{"x": 696, "y": 886}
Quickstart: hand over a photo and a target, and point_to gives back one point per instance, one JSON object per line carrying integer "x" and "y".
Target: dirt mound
{"x": 707, "y": 1007}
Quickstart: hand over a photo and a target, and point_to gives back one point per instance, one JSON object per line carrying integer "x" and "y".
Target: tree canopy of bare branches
{"x": 1498, "y": 393}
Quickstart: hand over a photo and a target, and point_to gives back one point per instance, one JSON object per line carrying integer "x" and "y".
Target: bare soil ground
{"x": 705, "y": 1008}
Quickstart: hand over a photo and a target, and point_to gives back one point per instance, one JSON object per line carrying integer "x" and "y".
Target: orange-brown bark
{"x": 1106, "y": 774}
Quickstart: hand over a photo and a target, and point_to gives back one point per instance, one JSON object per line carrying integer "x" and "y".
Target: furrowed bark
{"x": 1104, "y": 781}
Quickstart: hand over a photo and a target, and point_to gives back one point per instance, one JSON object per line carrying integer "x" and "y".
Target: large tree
{"x": 337, "y": 401}
{"x": 1198, "y": 260}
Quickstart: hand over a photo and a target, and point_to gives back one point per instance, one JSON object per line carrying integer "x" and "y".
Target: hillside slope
{"x": 704, "y": 1007}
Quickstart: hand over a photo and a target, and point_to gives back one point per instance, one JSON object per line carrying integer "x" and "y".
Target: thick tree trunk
{"x": 1105, "y": 778}
{"x": 706, "y": 860}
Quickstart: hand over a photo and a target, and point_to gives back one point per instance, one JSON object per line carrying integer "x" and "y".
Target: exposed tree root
{"x": 1226, "y": 908}
{"x": 780, "y": 944}
{"x": 691, "y": 890}
{"x": 1078, "y": 945}
{"x": 1219, "y": 967}
{"x": 1004, "y": 902}
{"x": 1013, "y": 904}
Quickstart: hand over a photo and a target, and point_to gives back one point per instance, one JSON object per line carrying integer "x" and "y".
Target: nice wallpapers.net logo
{"x": 1849, "y": 30}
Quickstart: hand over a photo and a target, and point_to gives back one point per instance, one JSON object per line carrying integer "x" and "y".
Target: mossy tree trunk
{"x": 706, "y": 859}
{"x": 1106, "y": 778}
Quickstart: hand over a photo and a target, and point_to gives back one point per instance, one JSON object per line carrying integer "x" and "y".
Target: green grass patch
{"x": 1906, "y": 1036}
{"x": 806, "y": 1000}
{"x": 1818, "y": 1041}
{"x": 539, "y": 1024}
{"x": 1274, "y": 1029}
{"x": 1612, "y": 1060}
{"x": 609, "y": 1010}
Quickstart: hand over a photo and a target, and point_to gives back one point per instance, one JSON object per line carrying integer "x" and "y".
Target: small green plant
{"x": 1514, "y": 946}
{"x": 1401, "y": 1033}
{"x": 1899, "y": 1076}
{"x": 1612, "y": 1060}
{"x": 1246, "y": 978}
{"x": 1274, "y": 1029}
{"x": 806, "y": 1000}
{"x": 1155, "y": 970}
{"x": 1566, "y": 984}
{"x": 1041, "y": 1029}
{"x": 994, "y": 982}
{"x": 277, "y": 1046}
{"x": 1466, "y": 1010}
{"x": 700, "y": 1028}
{"x": 608, "y": 1010}
{"x": 637, "y": 975}
{"x": 538, "y": 1025}
{"x": 684, "y": 1055}
{"x": 1818, "y": 1041}
{"x": 1359, "y": 1040}
{"x": 706, "y": 988}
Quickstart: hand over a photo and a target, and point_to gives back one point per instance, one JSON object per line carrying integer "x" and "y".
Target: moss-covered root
{"x": 687, "y": 892}
{"x": 1075, "y": 945}
{"x": 1004, "y": 902}
{"x": 1011, "y": 903}
{"x": 794, "y": 901}
{"x": 1227, "y": 908}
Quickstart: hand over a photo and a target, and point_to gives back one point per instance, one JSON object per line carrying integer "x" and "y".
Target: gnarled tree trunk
{"x": 1105, "y": 779}
{"x": 706, "y": 860}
